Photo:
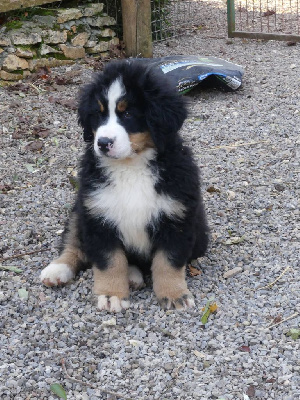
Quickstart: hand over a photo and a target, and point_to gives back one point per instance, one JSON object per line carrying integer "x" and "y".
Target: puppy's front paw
{"x": 181, "y": 302}
{"x": 112, "y": 303}
{"x": 56, "y": 274}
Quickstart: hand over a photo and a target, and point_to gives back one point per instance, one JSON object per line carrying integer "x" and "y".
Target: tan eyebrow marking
{"x": 122, "y": 105}
{"x": 101, "y": 106}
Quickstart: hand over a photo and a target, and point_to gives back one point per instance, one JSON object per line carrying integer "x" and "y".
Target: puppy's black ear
{"x": 84, "y": 113}
{"x": 165, "y": 110}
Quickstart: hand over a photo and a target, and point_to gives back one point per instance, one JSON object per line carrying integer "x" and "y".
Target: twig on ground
{"x": 276, "y": 280}
{"x": 36, "y": 88}
{"x": 284, "y": 320}
{"x": 70, "y": 378}
{"x": 233, "y": 146}
{"x": 23, "y": 254}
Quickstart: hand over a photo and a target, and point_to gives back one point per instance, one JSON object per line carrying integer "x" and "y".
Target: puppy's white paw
{"x": 112, "y": 303}
{"x": 56, "y": 274}
{"x": 136, "y": 280}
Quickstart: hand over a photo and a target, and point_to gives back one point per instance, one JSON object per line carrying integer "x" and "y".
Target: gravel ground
{"x": 247, "y": 144}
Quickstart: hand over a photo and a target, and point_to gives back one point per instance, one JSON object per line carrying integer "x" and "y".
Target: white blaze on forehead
{"x": 114, "y": 93}
{"x": 113, "y": 128}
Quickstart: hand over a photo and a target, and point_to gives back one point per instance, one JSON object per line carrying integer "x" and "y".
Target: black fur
{"x": 158, "y": 108}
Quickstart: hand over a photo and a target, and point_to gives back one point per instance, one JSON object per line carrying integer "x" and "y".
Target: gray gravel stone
{"x": 150, "y": 354}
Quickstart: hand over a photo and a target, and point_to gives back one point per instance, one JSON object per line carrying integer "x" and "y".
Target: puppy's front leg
{"x": 169, "y": 283}
{"x": 112, "y": 283}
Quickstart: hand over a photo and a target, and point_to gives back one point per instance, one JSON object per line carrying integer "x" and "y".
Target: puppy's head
{"x": 128, "y": 109}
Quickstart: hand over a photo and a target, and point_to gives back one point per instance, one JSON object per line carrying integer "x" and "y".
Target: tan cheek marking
{"x": 114, "y": 280}
{"x": 101, "y": 106}
{"x": 122, "y": 105}
{"x": 141, "y": 141}
{"x": 169, "y": 283}
{"x": 72, "y": 255}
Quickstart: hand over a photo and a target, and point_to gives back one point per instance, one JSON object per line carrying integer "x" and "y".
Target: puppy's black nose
{"x": 105, "y": 144}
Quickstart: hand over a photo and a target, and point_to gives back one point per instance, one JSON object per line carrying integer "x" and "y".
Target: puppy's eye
{"x": 127, "y": 114}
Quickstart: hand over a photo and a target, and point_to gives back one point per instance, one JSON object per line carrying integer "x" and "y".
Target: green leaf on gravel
{"x": 207, "y": 310}
{"x": 294, "y": 334}
{"x": 29, "y": 167}
{"x": 23, "y": 294}
{"x": 11, "y": 268}
{"x": 74, "y": 182}
{"x": 55, "y": 140}
{"x": 58, "y": 390}
{"x": 235, "y": 240}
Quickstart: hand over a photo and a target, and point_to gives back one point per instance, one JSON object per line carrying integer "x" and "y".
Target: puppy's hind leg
{"x": 64, "y": 268}
{"x": 136, "y": 279}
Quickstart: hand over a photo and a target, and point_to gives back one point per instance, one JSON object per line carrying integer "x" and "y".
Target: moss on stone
{"x": 81, "y": 28}
{"x": 45, "y": 12}
{"x": 29, "y": 47}
{"x": 70, "y": 35}
{"x": 10, "y": 25}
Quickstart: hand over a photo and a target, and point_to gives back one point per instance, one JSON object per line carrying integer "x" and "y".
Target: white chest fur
{"x": 130, "y": 202}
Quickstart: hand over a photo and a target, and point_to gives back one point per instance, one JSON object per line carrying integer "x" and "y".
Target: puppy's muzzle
{"x": 105, "y": 144}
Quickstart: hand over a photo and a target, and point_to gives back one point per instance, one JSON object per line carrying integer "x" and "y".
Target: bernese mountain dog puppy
{"x": 138, "y": 207}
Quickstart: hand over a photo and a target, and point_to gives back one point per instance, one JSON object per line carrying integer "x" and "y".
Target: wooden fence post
{"x": 137, "y": 34}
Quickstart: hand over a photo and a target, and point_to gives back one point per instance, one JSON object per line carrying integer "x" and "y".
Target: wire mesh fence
{"x": 277, "y": 19}
{"x": 171, "y": 18}
{"x": 273, "y": 19}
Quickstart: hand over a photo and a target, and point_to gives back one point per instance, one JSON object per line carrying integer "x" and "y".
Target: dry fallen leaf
{"x": 194, "y": 271}
{"x": 40, "y": 131}
{"x": 245, "y": 349}
{"x": 37, "y": 145}
{"x": 251, "y": 391}
{"x": 268, "y": 13}
{"x": 212, "y": 189}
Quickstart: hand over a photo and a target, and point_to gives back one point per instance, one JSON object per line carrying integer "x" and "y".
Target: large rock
{"x": 44, "y": 20}
{"x": 25, "y": 38}
{"x": 93, "y": 9}
{"x": 55, "y": 37}
{"x": 100, "y": 21}
{"x": 68, "y": 15}
{"x": 102, "y": 46}
{"x": 80, "y": 39}
{"x": 72, "y": 52}
{"x": 47, "y": 62}
{"x": 24, "y": 53}
{"x": 8, "y": 76}
{"x": 107, "y": 32}
{"x": 5, "y": 41}
{"x": 114, "y": 41}
{"x": 14, "y": 63}
{"x": 45, "y": 49}
{"x": 91, "y": 43}
{"x": 1, "y": 50}
{"x": 99, "y": 48}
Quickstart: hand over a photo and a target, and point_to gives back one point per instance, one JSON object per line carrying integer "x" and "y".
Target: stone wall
{"x": 54, "y": 37}
{"x": 7, "y": 5}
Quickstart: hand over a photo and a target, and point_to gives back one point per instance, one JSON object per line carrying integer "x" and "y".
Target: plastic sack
{"x": 187, "y": 72}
